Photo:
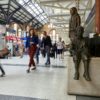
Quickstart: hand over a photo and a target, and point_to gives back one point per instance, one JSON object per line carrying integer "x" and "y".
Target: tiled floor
{"x": 44, "y": 83}
{"x": 7, "y": 97}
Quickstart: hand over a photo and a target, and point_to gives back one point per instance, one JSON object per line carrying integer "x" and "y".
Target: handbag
{"x": 4, "y": 52}
{"x": 51, "y": 53}
{"x": 43, "y": 52}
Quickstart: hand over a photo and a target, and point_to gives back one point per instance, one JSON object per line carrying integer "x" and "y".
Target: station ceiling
{"x": 58, "y": 12}
{"x": 22, "y": 11}
{"x": 39, "y": 12}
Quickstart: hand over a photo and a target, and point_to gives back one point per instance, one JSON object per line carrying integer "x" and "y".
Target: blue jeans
{"x": 47, "y": 50}
{"x": 37, "y": 55}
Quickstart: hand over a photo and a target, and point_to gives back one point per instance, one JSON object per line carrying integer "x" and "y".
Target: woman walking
{"x": 31, "y": 45}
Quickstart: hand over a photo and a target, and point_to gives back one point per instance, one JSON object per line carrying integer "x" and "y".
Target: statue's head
{"x": 79, "y": 32}
{"x": 73, "y": 10}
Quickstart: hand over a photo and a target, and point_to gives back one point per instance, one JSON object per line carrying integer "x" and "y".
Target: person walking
{"x": 38, "y": 50}
{"x": 2, "y": 46}
{"x": 60, "y": 48}
{"x": 1, "y": 68}
{"x": 54, "y": 49}
{"x": 63, "y": 49}
{"x": 47, "y": 45}
{"x": 31, "y": 46}
{"x": 2, "y": 71}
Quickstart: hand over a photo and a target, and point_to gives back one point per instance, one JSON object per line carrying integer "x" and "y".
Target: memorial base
{"x": 81, "y": 86}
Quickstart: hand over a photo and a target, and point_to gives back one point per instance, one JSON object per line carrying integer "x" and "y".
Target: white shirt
{"x": 59, "y": 45}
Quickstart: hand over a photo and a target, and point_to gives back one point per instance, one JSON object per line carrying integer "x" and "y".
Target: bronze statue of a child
{"x": 80, "y": 52}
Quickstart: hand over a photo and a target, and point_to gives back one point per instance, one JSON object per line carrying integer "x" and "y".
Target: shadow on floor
{"x": 87, "y": 98}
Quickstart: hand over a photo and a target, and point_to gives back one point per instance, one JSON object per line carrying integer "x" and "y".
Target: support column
{"x": 98, "y": 16}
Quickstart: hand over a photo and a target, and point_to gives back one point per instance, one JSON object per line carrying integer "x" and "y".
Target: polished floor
{"x": 7, "y": 97}
{"x": 47, "y": 82}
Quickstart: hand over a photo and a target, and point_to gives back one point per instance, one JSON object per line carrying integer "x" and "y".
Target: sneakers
{"x": 28, "y": 70}
{"x": 33, "y": 68}
{"x": 47, "y": 63}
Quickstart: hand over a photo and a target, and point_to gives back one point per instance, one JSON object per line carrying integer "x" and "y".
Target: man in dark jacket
{"x": 46, "y": 44}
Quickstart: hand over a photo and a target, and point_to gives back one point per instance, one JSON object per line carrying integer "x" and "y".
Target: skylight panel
{"x": 34, "y": 9}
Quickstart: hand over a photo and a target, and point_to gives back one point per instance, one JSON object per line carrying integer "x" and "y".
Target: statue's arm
{"x": 78, "y": 21}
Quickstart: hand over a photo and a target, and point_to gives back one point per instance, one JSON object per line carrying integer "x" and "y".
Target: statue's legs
{"x": 86, "y": 70}
{"x": 77, "y": 63}
{"x": 71, "y": 50}
{"x": 72, "y": 39}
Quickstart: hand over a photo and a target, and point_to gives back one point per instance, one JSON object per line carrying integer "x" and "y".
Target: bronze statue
{"x": 80, "y": 52}
{"x": 74, "y": 22}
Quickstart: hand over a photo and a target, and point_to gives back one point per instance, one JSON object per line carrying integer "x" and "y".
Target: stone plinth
{"x": 81, "y": 86}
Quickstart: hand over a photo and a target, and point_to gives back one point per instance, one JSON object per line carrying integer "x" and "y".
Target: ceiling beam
{"x": 55, "y": 1}
{"x": 60, "y": 22}
{"x": 64, "y": 8}
{"x": 16, "y": 20}
{"x": 83, "y": 3}
{"x": 61, "y": 27}
{"x": 3, "y": 11}
{"x": 55, "y": 20}
{"x": 14, "y": 1}
{"x": 70, "y": 4}
{"x": 8, "y": 7}
{"x": 61, "y": 15}
{"x": 56, "y": 7}
{"x": 58, "y": 15}
{"x": 67, "y": 22}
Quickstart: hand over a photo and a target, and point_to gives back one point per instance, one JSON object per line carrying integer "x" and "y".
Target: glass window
{"x": 26, "y": 1}
{"x": 34, "y": 9}
{"x": 37, "y": 12}
{"x": 28, "y": 9}
{"x": 21, "y": 2}
{"x": 42, "y": 17}
{"x": 34, "y": 14}
{"x": 41, "y": 11}
{"x": 36, "y": 5}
